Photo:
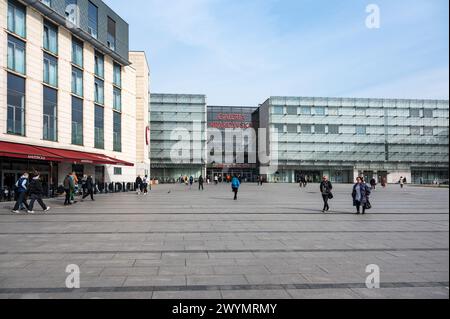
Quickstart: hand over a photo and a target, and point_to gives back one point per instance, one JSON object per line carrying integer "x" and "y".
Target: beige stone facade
{"x": 135, "y": 79}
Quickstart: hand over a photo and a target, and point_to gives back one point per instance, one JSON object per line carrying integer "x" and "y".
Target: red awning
{"x": 56, "y": 155}
{"x": 27, "y": 151}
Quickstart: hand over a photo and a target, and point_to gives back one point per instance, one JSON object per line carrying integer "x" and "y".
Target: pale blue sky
{"x": 240, "y": 52}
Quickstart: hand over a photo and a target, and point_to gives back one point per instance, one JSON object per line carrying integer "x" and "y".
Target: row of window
{"x": 72, "y": 15}
{"x": 336, "y": 129}
{"x": 16, "y": 84}
{"x": 335, "y": 111}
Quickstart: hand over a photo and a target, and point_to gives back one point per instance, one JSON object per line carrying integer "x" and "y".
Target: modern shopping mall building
{"x": 72, "y": 97}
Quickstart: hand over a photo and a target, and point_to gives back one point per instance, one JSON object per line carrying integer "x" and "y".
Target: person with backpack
{"x": 36, "y": 192}
{"x": 89, "y": 188}
{"x": 235, "y": 184}
{"x": 68, "y": 185}
{"x": 360, "y": 195}
{"x": 325, "y": 189}
{"x": 22, "y": 189}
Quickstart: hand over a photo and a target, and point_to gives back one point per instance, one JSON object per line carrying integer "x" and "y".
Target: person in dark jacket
{"x": 22, "y": 189}
{"x": 373, "y": 183}
{"x": 138, "y": 184}
{"x": 235, "y": 184}
{"x": 325, "y": 189}
{"x": 68, "y": 186}
{"x": 361, "y": 193}
{"x": 200, "y": 182}
{"x": 90, "y": 186}
{"x": 36, "y": 191}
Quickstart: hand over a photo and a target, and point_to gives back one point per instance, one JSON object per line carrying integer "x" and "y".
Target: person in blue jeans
{"x": 22, "y": 188}
{"x": 235, "y": 184}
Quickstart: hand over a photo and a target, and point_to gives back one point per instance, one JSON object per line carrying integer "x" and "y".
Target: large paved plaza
{"x": 273, "y": 242}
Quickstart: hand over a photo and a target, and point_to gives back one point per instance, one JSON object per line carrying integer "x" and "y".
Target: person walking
{"x": 89, "y": 188}
{"x": 373, "y": 183}
{"x": 235, "y": 184}
{"x": 68, "y": 185}
{"x": 138, "y": 185}
{"x": 325, "y": 189}
{"x": 145, "y": 184}
{"x": 401, "y": 182}
{"x": 361, "y": 193}
{"x": 216, "y": 179}
{"x": 83, "y": 185}
{"x": 191, "y": 182}
{"x": 200, "y": 183}
{"x": 74, "y": 188}
{"x": 36, "y": 191}
{"x": 22, "y": 188}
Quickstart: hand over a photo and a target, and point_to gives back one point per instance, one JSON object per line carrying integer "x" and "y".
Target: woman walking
{"x": 361, "y": 193}
{"x": 325, "y": 188}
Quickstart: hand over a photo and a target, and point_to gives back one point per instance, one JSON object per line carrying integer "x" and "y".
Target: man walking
{"x": 235, "y": 184}
{"x": 68, "y": 186}
{"x": 89, "y": 188}
{"x": 36, "y": 192}
{"x": 138, "y": 185}
{"x": 326, "y": 188}
{"x": 22, "y": 188}
{"x": 200, "y": 183}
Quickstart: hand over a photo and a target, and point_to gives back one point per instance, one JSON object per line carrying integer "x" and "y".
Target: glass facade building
{"x": 344, "y": 138}
{"x": 230, "y": 154}
{"x": 178, "y": 136}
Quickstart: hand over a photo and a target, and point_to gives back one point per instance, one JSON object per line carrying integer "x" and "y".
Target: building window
{"x": 50, "y": 70}
{"x": 16, "y": 55}
{"x": 77, "y": 81}
{"x": 117, "y": 99}
{"x": 292, "y": 110}
{"x": 99, "y": 65}
{"x": 428, "y": 131}
{"x": 99, "y": 127}
{"x": 319, "y": 129}
{"x": 93, "y": 20}
{"x": 117, "y": 75}
{"x": 50, "y": 37}
{"x": 292, "y": 128}
{"x": 72, "y": 11}
{"x": 333, "y": 111}
{"x": 360, "y": 112}
{"x": 277, "y": 110}
{"x": 77, "y": 121}
{"x": 48, "y": 3}
{"x": 117, "y": 170}
{"x": 305, "y": 110}
{"x": 361, "y": 130}
{"x": 333, "y": 129}
{"x": 16, "y": 105}
{"x": 415, "y": 130}
{"x": 319, "y": 110}
{"x": 279, "y": 128}
{"x": 111, "y": 36}
{"x": 16, "y": 18}
{"x": 414, "y": 112}
{"x": 117, "y": 132}
{"x": 428, "y": 113}
{"x": 306, "y": 128}
{"x": 99, "y": 91}
{"x": 77, "y": 52}
{"x": 50, "y": 114}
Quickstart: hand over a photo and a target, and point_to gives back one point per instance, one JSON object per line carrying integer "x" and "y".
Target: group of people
{"x": 360, "y": 195}
{"x": 70, "y": 185}
{"x": 142, "y": 185}
{"x": 32, "y": 189}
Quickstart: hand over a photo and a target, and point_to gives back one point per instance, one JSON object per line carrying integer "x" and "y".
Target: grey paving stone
{"x": 256, "y": 294}
{"x": 146, "y": 281}
{"x": 216, "y": 280}
{"x": 187, "y": 295}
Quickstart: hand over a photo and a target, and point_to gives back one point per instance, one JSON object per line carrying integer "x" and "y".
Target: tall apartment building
{"x": 72, "y": 98}
{"x": 344, "y": 138}
{"x": 178, "y": 136}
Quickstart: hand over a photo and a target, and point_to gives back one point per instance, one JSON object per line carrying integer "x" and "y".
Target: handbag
{"x": 330, "y": 196}
{"x": 368, "y": 205}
